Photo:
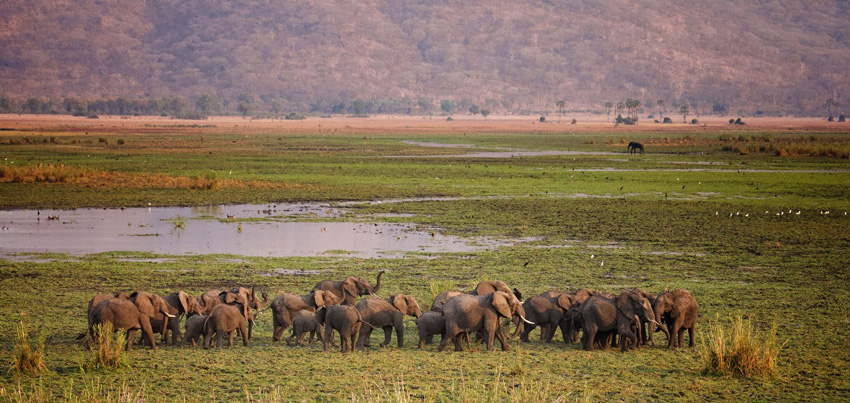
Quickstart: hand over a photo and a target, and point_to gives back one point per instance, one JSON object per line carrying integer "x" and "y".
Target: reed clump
{"x": 107, "y": 349}
{"x": 28, "y": 359}
{"x": 740, "y": 351}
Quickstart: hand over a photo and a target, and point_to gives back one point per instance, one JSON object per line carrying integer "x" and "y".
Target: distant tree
{"x": 660, "y": 104}
{"x": 667, "y": 120}
{"x": 485, "y": 113}
{"x": 842, "y": 118}
{"x": 621, "y": 106}
{"x": 560, "y": 104}
{"x": 830, "y": 105}
{"x": 719, "y": 108}
{"x": 207, "y": 104}
{"x": 447, "y": 106}
{"x": 474, "y": 109}
{"x": 246, "y": 104}
{"x": 607, "y": 105}
{"x": 426, "y": 105}
{"x": 633, "y": 105}
{"x": 684, "y": 110}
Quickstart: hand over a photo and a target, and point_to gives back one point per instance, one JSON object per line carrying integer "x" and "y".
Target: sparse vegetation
{"x": 107, "y": 348}
{"x": 29, "y": 359}
{"x": 740, "y": 351}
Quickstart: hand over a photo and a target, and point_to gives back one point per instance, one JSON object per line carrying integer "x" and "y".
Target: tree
{"x": 660, "y": 105}
{"x": 474, "y": 110}
{"x": 485, "y": 113}
{"x": 246, "y": 104}
{"x": 830, "y": 105}
{"x": 560, "y": 104}
{"x": 447, "y": 106}
{"x": 206, "y": 104}
{"x": 608, "y": 105}
{"x": 633, "y": 105}
{"x": 684, "y": 111}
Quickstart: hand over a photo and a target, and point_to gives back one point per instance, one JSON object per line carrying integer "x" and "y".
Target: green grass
{"x": 789, "y": 270}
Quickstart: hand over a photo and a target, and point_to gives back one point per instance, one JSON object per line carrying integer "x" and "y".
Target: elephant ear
{"x": 625, "y": 304}
{"x": 144, "y": 302}
{"x": 349, "y": 286}
{"x": 320, "y": 315}
{"x": 680, "y": 305}
{"x": 319, "y": 298}
{"x": 399, "y": 301}
{"x": 564, "y": 301}
{"x": 231, "y": 297}
{"x": 500, "y": 304}
{"x": 184, "y": 300}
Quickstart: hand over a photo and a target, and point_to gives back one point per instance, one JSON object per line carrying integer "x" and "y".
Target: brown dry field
{"x": 389, "y": 124}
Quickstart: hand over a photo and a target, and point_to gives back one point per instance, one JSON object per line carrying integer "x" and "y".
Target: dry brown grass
{"x": 740, "y": 353}
{"x": 28, "y": 359}
{"x": 88, "y": 177}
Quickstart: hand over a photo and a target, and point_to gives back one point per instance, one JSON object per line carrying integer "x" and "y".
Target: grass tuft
{"x": 740, "y": 352}
{"x": 28, "y": 359}
{"x": 107, "y": 347}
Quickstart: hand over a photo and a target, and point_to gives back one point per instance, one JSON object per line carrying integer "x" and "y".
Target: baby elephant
{"x": 304, "y": 322}
{"x": 227, "y": 319}
{"x": 431, "y": 323}
{"x": 194, "y": 329}
{"x": 346, "y": 320}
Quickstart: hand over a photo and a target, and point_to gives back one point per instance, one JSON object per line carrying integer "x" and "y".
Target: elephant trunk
{"x": 377, "y": 286}
{"x": 659, "y": 324}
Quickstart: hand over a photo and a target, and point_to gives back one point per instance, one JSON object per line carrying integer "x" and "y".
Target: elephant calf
{"x": 346, "y": 320}
{"x": 431, "y": 323}
{"x": 304, "y": 322}
{"x": 194, "y": 329}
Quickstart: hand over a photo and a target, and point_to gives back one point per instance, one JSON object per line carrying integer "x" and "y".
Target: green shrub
{"x": 667, "y": 120}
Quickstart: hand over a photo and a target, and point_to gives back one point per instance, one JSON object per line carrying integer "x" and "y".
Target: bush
{"x": 120, "y": 142}
{"x": 28, "y": 360}
{"x": 830, "y": 119}
{"x": 842, "y": 118}
{"x": 294, "y": 116}
{"x": 739, "y": 122}
{"x": 667, "y": 120}
{"x": 741, "y": 353}
{"x": 694, "y": 121}
{"x": 732, "y": 121}
{"x": 543, "y": 119}
{"x": 574, "y": 121}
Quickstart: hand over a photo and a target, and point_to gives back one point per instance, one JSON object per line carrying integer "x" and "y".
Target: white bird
{"x": 716, "y": 213}
{"x": 827, "y": 212}
{"x": 591, "y": 256}
{"x": 747, "y": 215}
{"x": 730, "y": 214}
{"x": 766, "y": 211}
{"x": 798, "y": 212}
{"x": 602, "y": 264}
{"x": 737, "y": 213}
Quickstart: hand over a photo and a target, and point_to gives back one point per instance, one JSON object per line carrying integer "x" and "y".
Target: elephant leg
{"x": 502, "y": 340}
{"x": 131, "y": 333}
{"x": 326, "y": 337}
{"x": 281, "y": 322}
{"x": 388, "y": 335}
{"x": 457, "y": 341}
{"x": 399, "y": 334}
{"x": 590, "y": 335}
{"x": 691, "y": 336}
{"x": 528, "y": 328}
{"x": 429, "y": 339}
{"x": 244, "y": 337}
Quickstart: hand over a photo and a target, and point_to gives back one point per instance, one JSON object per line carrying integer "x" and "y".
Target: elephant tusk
{"x": 169, "y": 315}
{"x": 528, "y": 321}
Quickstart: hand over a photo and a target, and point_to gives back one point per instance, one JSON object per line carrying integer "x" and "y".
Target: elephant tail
{"x": 360, "y": 318}
{"x": 81, "y": 335}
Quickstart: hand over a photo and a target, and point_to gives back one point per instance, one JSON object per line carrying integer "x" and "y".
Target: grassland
{"x": 657, "y": 220}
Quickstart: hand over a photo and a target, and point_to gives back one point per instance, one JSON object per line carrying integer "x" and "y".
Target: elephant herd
{"x": 628, "y": 319}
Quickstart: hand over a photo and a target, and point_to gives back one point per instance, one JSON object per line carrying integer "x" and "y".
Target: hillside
{"x": 777, "y": 56}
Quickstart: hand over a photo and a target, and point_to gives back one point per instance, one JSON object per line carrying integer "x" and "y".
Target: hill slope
{"x": 778, "y": 56}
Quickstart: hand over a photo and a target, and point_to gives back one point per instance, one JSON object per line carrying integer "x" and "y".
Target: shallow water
{"x": 85, "y": 231}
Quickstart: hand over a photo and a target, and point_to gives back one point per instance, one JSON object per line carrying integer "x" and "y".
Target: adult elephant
{"x": 212, "y": 298}
{"x": 227, "y": 318}
{"x": 387, "y": 314}
{"x": 675, "y": 312}
{"x": 474, "y": 313}
{"x": 547, "y": 310}
{"x": 482, "y": 288}
{"x": 179, "y": 304}
{"x": 130, "y": 314}
{"x": 634, "y": 146}
{"x": 285, "y": 306}
{"x": 349, "y": 289}
{"x": 601, "y": 314}
{"x": 95, "y": 301}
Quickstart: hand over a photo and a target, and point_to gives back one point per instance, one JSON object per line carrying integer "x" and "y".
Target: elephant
{"x": 674, "y": 312}
{"x": 430, "y": 323}
{"x": 645, "y": 329}
{"x": 387, "y": 314}
{"x": 97, "y": 299}
{"x": 547, "y": 310}
{"x": 346, "y": 320}
{"x": 473, "y": 313}
{"x": 482, "y": 288}
{"x": 129, "y": 314}
{"x": 285, "y": 306}
{"x": 603, "y": 314}
{"x": 179, "y": 303}
{"x": 349, "y": 289}
{"x": 194, "y": 329}
{"x": 227, "y": 318}
{"x": 634, "y": 146}
{"x": 302, "y": 323}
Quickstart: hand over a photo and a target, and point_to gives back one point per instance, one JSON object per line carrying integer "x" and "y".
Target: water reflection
{"x": 251, "y": 230}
